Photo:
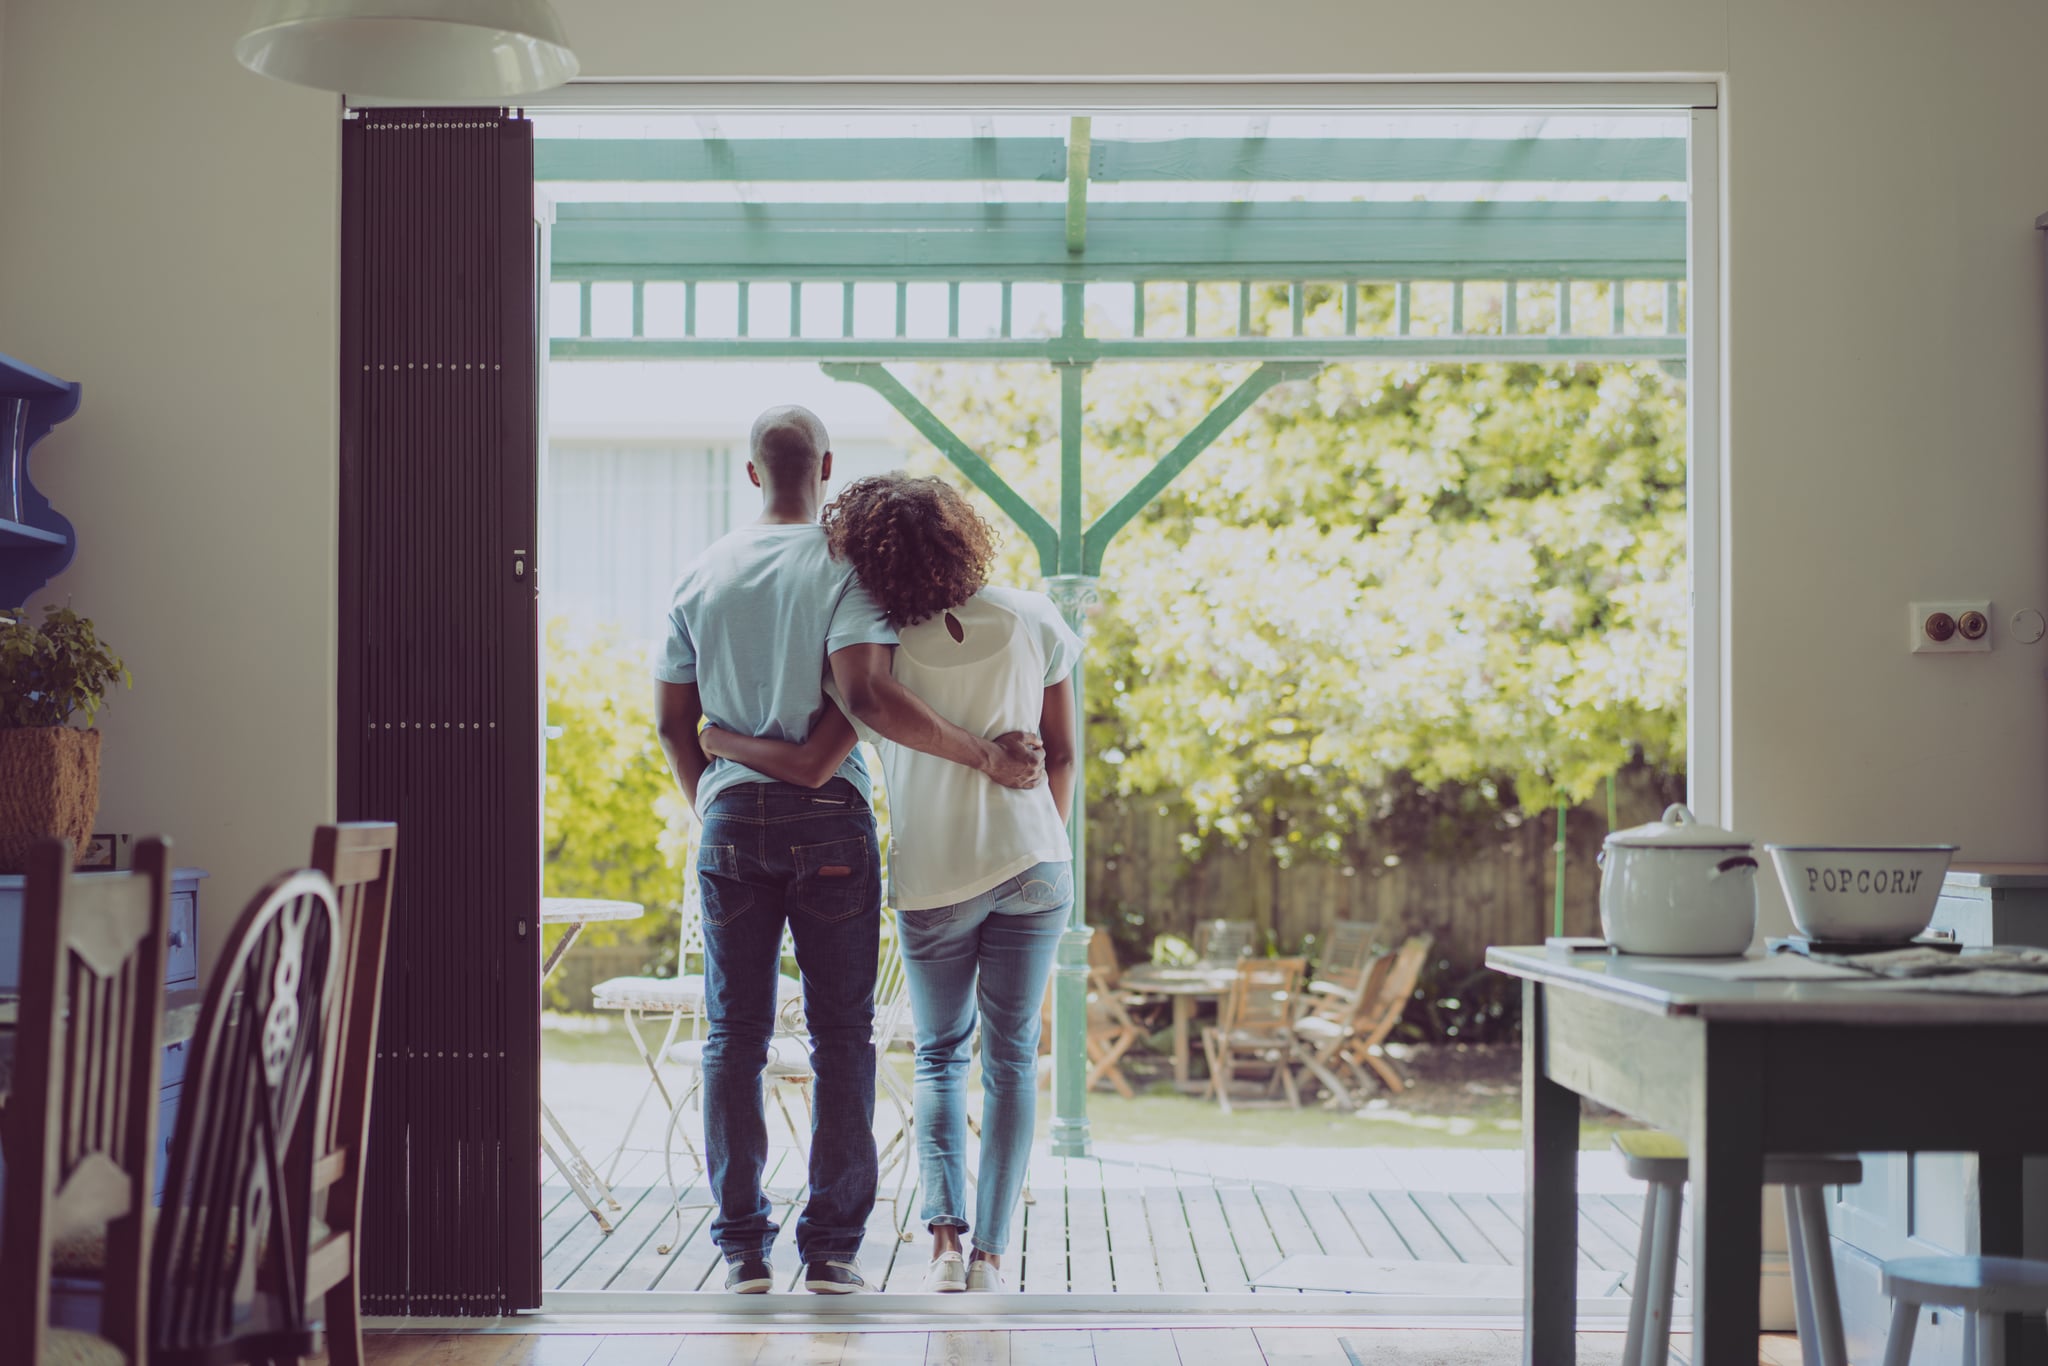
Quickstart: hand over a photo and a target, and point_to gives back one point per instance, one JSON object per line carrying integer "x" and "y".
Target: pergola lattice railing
{"x": 1198, "y": 231}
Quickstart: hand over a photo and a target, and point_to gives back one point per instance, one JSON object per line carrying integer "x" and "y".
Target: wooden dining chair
{"x": 1346, "y": 958}
{"x": 1381, "y": 1011}
{"x": 1337, "y": 1018}
{"x": 1225, "y": 941}
{"x": 81, "y": 1141}
{"x": 359, "y": 859}
{"x": 1254, "y": 1029}
{"x": 229, "y": 1264}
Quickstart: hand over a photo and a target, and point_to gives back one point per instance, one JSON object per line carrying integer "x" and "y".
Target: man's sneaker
{"x": 749, "y": 1276}
{"x": 947, "y": 1274}
{"x": 982, "y": 1275}
{"x": 833, "y": 1278}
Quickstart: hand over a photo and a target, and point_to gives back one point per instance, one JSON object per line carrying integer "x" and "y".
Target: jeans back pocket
{"x": 836, "y": 880}
{"x": 726, "y": 897}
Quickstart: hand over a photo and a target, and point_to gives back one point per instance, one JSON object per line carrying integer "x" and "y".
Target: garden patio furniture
{"x": 1345, "y": 959}
{"x": 359, "y": 859}
{"x": 1382, "y": 1010}
{"x": 789, "y": 1072}
{"x": 229, "y": 1267}
{"x": 1986, "y": 1288}
{"x": 1111, "y": 1032}
{"x": 1660, "y": 1160}
{"x": 92, "y": 989}
{"x": 1335, "y": 1019}
{"x": 574, "y": 913}
{"x": 1184, "y": 987}
{"x": 1225, "y": 941}
{"x": 674, "y": 999}
{"x": 1254, "y": 1028}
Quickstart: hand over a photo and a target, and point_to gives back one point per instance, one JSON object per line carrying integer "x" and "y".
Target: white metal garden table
{"x": 574, "y": 913}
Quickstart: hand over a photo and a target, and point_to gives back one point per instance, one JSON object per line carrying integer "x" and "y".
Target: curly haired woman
{"x": 979, "y": 874}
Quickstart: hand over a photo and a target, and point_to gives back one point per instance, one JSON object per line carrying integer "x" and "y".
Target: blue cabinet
{"x": 35, "y": 541}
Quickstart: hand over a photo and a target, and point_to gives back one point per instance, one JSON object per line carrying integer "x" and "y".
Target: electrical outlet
{"x": 1949, "y": 628}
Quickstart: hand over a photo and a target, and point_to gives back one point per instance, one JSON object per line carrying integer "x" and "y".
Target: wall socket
{"x": 1950, "y": 628}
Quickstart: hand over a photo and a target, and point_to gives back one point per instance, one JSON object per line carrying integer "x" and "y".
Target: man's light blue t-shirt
{"x": 751, "y": 624}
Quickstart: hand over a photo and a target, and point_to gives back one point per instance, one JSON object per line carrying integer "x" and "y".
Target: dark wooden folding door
{"x": 439, "y": 719}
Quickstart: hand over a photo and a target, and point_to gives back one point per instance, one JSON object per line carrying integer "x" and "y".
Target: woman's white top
{"x": 953, "y": 834}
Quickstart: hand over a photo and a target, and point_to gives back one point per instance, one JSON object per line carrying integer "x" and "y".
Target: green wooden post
{"x": 1074, "y": 595}
{"x": 1557, "y": 916}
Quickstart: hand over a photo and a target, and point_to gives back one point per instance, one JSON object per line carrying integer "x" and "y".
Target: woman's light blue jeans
{"x": 994, "y": 952}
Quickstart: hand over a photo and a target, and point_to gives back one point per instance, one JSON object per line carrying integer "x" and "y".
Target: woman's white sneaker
{"x": 983, "y": 1276}
{"x": 947, "y": 1275}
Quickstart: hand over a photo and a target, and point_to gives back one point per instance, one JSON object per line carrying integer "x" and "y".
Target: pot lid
{"x": 1679, "y": 830}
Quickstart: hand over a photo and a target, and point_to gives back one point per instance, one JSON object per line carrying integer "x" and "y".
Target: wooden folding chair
{"x": 359, "y": 859}
{"x": 91, "y": 1018}
{"x": 1225, "y": 941}
{"x": 1332, "y": 1023}
{"x": 1254, "y": 1028}
{"x": 1328, "y": 1045}
{"x": 1346, "y": 958}
{"x": 229, "y": 1263}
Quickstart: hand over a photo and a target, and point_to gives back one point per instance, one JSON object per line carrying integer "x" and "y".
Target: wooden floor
{"x": 1102, "y": 1226}
{"x": 1112, "y": 1347}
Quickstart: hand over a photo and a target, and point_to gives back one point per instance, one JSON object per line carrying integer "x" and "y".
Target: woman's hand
{"x": 712, "y": 741}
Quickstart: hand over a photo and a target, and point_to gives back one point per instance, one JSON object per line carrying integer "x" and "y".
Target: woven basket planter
{"x": 49, "y": 785}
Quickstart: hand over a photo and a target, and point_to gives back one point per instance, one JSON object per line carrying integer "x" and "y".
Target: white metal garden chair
{"x": 672, "y": 1001}
{"x": 789, "y": 1073}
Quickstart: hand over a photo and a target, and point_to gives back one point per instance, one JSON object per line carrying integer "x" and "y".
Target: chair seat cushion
{"x": 83, "y": 1253}
{"x": 788, "y": 1058}
{"x": 1652, "y": 1155}
{"x": 69, "y": 1347}
{"x": 669, "y": 993}
{"x": 1320, "y": 1029}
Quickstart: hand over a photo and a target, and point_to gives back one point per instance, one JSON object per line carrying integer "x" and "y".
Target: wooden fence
{"x": 1497, "y": 888}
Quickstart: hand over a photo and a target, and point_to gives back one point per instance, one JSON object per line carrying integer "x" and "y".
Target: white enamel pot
{"x": 1678, "y": 889}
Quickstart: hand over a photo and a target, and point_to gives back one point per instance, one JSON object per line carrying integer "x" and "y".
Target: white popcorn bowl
{"x": 1861, "y": 894}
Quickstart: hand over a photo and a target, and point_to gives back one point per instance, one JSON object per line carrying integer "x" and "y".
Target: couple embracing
{"x": 789, "y": 640}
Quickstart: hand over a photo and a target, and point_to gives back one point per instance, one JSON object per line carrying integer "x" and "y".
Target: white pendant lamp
{"x": 410, "y": 49}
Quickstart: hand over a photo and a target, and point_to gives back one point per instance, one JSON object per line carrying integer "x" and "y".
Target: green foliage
{"x": 1458, "y": 577}
{"x": 51, "y": 671}
{"x": 1459, "y": 1003}
{"x": 617, "y": 826}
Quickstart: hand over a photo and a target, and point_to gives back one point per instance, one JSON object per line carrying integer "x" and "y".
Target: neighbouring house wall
{"x": 167, "y": 235}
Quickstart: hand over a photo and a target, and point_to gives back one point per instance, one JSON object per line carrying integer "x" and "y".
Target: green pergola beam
{"x": 1175, "y": 241}
{"x": 1077, "y": 185}
{"x": 1232, "y": 160}
{"x": 1323, "y": 160}
{"x": 1183, "y": 454}
{"x": 1044, "y": 538}
{"x": 798, "y": 159}
{"x": 1535, "y": 348}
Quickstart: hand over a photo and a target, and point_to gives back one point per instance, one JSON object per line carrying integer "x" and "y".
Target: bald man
{"x": 752, "y": 628}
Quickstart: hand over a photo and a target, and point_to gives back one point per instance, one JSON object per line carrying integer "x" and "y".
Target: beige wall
{"x": 168, "y": 238}
{"x": 167, "y": 235}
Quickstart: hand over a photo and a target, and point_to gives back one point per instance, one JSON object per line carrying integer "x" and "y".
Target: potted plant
{"x": 50, "y": 769}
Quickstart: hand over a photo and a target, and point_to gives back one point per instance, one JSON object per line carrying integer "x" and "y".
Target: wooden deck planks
{"x": 1122, "y": 1226}
{"x": 1131, "y": 1255}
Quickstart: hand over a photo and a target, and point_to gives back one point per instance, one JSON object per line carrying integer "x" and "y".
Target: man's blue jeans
{"x": 773, "y": 854}
{"x": 996, "y": 952}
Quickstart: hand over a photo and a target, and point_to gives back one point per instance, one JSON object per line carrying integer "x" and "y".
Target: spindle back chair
{"x": 82, "y": 1106}
{"x": 359, "y": 858}
{"x": 229, "y": 1267}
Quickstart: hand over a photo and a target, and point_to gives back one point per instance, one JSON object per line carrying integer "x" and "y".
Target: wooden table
{"x": 1184, "y": 987}
{"x": 576, "y": 1169}
{"x": 1739, "y": 1069}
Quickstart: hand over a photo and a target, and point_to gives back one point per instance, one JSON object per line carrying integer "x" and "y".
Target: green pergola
{"x": 1136, "y": 233}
